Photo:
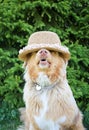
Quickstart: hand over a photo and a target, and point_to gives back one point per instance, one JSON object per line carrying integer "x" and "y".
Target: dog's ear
{"x": 66, "y": 62}
{"x": 65, "y": 59}
{"x": 26, "y": 61}
{"x": 24, "y": 64}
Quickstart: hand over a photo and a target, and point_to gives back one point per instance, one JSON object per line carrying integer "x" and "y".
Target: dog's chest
{"x": 42, "y": 121}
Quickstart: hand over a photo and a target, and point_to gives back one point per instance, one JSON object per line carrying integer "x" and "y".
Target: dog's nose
{"x": 43, "y": 52}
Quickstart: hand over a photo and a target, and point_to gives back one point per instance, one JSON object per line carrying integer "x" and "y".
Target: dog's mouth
{"x": 44, "y": 63}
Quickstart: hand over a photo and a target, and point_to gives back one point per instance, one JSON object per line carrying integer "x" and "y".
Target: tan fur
{"x": 52, "y": 72}
{"x": 61, "y": 106}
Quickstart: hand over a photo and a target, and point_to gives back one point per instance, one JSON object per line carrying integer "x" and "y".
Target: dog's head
{"x": 47, "y": 64}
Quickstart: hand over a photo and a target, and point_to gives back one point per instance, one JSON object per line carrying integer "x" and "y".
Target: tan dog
{"x": 49, "y": 101}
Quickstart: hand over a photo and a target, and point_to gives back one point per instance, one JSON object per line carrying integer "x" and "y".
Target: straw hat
{"x": 43, "y": 39}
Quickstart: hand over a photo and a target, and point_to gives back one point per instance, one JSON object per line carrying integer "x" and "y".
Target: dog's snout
{"x": 43, "y": 52}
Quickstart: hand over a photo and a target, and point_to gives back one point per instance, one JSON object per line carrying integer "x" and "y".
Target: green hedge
{"x": 18, "y": 20}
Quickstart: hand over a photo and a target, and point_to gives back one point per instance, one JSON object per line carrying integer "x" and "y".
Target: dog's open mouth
{"x": 44, "y": 62}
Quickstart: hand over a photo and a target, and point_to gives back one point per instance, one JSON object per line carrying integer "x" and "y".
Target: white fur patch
{"x": 43, "y": 80}
{"x": 45, "y": 124}
{"x": 42, "y": 66}
{"x": 41, "y": 120}
{"x": 61, "y": 120}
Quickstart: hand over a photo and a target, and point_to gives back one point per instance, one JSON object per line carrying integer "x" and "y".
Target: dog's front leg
{"x": 78, "y": 123}
{"x": 78, "y": 126}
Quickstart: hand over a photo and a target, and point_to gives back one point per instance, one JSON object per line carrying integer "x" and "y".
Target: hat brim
{"x": 32, "y": 48}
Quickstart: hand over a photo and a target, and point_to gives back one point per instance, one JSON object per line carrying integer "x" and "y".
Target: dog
{"x": 49, "y": 101}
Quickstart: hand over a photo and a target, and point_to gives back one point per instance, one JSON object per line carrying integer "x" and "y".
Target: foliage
{"x": 10, "y": 81}
{"x": 78, "y": 77}
{"x": 9, "y": 125}
{"x": 9, "y": 117}
{"x": 7, "y": 112}
{"x": 19, "y": 19}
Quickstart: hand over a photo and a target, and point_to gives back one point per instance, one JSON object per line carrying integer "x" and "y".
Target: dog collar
{"x": 38, "y": 87}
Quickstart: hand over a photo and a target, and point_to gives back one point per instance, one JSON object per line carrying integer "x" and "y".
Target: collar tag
{"x": 38, "y": 87}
